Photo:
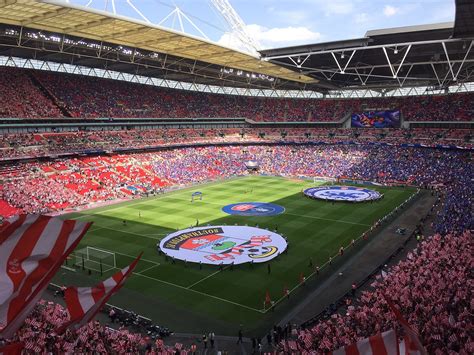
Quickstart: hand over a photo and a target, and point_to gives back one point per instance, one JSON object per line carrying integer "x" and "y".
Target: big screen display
{"x": 376, "y": 119}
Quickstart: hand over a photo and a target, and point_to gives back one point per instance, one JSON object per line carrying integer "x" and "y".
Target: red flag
{"x": 32, "y": 249}
{"x": 84, "y": 303}
{"x": 12, "y": 349}
{"x": 383, "y": 343}
{"x": 412, "y": 341}
{"x": 285, "y": 290}
{"x": 268, "y": 300}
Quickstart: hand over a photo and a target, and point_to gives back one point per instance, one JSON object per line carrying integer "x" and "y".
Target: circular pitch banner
{"x": 223, "y": 245}
{"x": 342, "y": 193}
{"x": 253, "y": 209}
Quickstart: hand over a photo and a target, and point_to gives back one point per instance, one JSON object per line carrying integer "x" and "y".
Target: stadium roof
{"x": 436, "y": 55}
{"x": 161, "y": 51}
{"x": 464, "y": 19}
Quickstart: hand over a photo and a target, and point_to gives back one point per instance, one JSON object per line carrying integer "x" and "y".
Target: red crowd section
{"x": 21, "y": 145}
{"x": 40, "y": 94}
{"x": 431, "y": 292}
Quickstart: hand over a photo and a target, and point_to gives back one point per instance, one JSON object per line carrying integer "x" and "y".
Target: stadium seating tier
{"x": 40, "y": 94}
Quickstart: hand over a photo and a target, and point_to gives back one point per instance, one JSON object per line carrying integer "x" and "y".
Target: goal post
{"x": 95, "y": 259}
{"x": 318, "y": 180}
{"x": 196, "y": 196}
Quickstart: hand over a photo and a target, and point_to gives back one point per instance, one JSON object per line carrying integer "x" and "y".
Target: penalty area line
{"x": 205, "y": 278}
{"x": 155, "y": 263}
{"x": 148, "y": 268}
{"x": 201, "y": 293}
{"x": 122, "y": 231}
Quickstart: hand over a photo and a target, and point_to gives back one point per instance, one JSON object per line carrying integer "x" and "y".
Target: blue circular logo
{"x": 342, "y": 193}
{"x": 253, "y": 209}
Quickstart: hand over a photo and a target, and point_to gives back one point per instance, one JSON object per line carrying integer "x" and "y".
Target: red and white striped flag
{"x": 84, "y": 303}
{"x": 383, "y": 343}
{"x": 32, "y": 249}
{"x": 412, "y": 340}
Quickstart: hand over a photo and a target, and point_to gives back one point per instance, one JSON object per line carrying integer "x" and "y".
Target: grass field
{"x": 315, "y": 229}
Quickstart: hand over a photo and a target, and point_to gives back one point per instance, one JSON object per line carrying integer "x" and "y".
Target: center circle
{"x": 253, "y": 209}
{"x": 223, "y": 245}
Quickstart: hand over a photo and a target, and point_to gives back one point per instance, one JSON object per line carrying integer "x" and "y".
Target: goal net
{"x": 95, "y": 259}
{"x": 317, "y": 180}
{"x": 196, "y": 196}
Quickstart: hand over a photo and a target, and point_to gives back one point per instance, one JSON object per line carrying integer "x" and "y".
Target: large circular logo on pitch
{"x": 223, "y": 245}
{"x": 342, "y": 193}
{"x": 253, "y": 209}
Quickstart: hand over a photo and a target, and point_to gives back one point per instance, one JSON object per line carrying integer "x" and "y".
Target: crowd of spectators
{"x": 39, "y": 194}
{"x": 39, "y": 336}
{"x": 40, "y": 94}
{"x": 94, "y": 97}
{"x": 20, "y": 97}
{"x": 429, "y": 287}
{"x": 54, "y": 186}
{"x": 432, "y": 289}
{"x": 21, "y": 145}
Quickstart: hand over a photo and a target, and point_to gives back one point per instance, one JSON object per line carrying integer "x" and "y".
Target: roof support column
{"x": 449, "y": 62}
{"x": 464, "y": 59}
{"x": 343, "y": 71}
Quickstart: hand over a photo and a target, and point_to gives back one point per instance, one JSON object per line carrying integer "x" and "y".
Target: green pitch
{"x": 188, "y": 298}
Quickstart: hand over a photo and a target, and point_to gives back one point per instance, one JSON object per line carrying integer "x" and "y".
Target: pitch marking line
{"x": 191, "y": 290}
{"x": 182, "y": 287}
{"x": 153, "y": 199}
{"x": 122, "y": 231}
{"x": 307, "y": 216}
{"x": 169, "y": 194}
{"x": 201, "y": 293}
{"x": 205, "y": 278}
{"x": 148, "y": 268}
{"x": 130, "y": 256}
{"x": 133, "y": 257}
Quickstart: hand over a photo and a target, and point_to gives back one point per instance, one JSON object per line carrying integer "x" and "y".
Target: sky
{"x": 280, "y": 23}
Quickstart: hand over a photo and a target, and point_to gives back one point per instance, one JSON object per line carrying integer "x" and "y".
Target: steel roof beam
{"x": 341, "y": 70}
{"x": 419, "y": 43}
{"x": 378, "y": 66}
{"x": 465, "y": 57}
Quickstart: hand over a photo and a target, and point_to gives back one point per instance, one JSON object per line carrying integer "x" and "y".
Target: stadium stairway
{"x": 49, "y": 95}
